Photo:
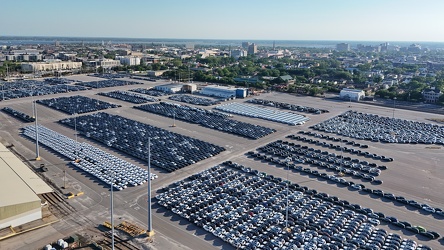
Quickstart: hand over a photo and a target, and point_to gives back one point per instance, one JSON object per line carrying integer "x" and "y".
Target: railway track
{"x": 119, "y": 243}
{"x": 57, "y": 205}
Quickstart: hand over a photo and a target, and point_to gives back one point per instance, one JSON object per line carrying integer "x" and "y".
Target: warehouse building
{"x": 19, "y": 203}
{"x": 352, "y": 94}
{"x": 189, "y": 88}
{"x": 169, "y": 88}
{"x": 224, "y": 92}
{"x": 50, "y": 65}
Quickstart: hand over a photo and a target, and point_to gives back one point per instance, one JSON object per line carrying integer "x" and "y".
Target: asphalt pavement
{"x": 416, "y": 173}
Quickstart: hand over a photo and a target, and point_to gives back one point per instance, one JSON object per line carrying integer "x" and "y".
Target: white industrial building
{"x": 19, "y": 203}
{"x": 352, "y": 94}
{"x": 50, "y": 65}
{"x": 107, "y": 63}
{"x": 169, "y": 88}
{"x": 129, "y": 60}
{"x": 189, "y": 87}
{"x": 224, "y": 92}
{"x": 238, "y": 53}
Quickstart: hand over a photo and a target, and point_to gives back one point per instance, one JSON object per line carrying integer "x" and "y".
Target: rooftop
{"x": 352, "y": 90}
{"x": 15, "y": 176}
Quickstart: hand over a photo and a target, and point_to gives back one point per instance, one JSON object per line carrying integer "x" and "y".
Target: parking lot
{"x": 416, "y": 172}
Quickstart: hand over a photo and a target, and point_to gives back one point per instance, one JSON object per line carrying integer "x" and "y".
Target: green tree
{"x": 177, "y": 62}
{"x": 441, "y": 99}
{"x": 275, "y": 72}
{"x": 377, "y": 79}
{"x": 364, "y": 67}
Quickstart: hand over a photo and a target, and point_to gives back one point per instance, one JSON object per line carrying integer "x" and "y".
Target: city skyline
{"x": 344, "y": 20}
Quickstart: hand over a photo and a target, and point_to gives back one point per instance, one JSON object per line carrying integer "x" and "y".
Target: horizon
{"x": 39, "y": 40}
{"x": 211, "y": 39}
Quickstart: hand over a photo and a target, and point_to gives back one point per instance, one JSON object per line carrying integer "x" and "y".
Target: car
{"x": 378, "y": 192}
{"x": 428, "y": 235}
{"x": 406, "y": 223}
{"x": 389, "y": 196}
{"x": 398, "y": 224}
{"x": 427, "y": 208}
{"x": 377, "y": 182}
{"x": 421, "y": 229}
{"x": 435, "y": 234}
{"x": 392, "y": 219}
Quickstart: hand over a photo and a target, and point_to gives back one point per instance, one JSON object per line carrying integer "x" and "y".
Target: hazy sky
{"x": 371, "y": 20}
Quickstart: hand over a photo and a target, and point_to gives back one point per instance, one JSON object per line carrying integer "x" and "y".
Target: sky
{"x": 345, "y": 20}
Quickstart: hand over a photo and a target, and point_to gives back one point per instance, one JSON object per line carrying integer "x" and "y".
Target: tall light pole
{"x": 150, "y": 231}
{"x": 7, "y": 73}
{"x": 32, "y": 101}
{"x": 112, "y": 209}
{"x": 342, "y": 158}
{"x": 37, "y": 153}
{"x": 287, "y": 160}
{"x": 394, "y": 102}
{"x": 75, "y": 127}
{"x": 75, "y": 134}
{"x": 3, "y": 91}
{"x": 174, "y": 120}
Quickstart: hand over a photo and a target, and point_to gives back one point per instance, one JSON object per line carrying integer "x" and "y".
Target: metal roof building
{"x": 224, "y": 92}
{"x": 352, "y": 94}
{"x": 169, "y": 88}
{"x": 19, "y": 187}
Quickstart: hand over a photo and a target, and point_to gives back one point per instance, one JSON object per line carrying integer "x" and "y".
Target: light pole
{"x": 394, "y": 102}
{"x": 3, "y": 91}
{"x": 32, "y": 101}
{"x": 112, "y": 209}
{"x": 75, "y": 135}
{"x": 37, "y": 153}
{"x": 64, "y": 177}
{"x": 287, "y": 160}
{"x": 150, "y": 231}
{"x": 75, "y": 126}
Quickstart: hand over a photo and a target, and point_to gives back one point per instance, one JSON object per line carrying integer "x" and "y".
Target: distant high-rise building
{"x": 238, "y": 53}
{"x": 414, "y": 48}
{"x": 368, "y": 48}
{"x": 129, "y": 60}
{"x": 384, "y": 46}
{"x": 189, "y": 46}
{"x": 245, "y": 45}
{"x": 274, "y": 45}
{"x": 343, "y": 47}
{"x": 252, "y": 49}
{"x": 57, "y": 43}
